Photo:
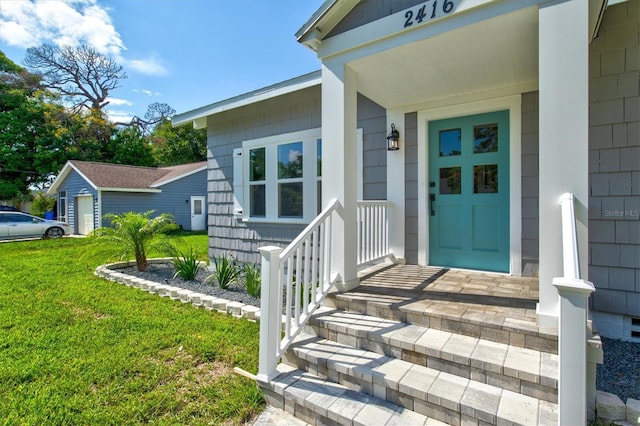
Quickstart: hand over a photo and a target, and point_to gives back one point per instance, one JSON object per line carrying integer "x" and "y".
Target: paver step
{"x": 517, "y": 369}
{"x": 460, "y": 318}
{"x": 436, "y": 394}
{"x": 318, "y": 401}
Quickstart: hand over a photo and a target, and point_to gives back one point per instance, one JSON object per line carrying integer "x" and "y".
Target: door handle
{"x": 432, "y": 200}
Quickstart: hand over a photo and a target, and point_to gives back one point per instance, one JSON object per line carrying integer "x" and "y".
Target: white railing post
{"x": 570, "y": 260}
{"x": 270, "y": 313}
{"x": 572, "y": 353}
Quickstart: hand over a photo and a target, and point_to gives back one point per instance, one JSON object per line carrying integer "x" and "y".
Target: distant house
{"x": 86, "y": 191}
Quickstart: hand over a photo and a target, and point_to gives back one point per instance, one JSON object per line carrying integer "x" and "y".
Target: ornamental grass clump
{"x": 251, "y": 280}
{"x": 186, "y": 264}
{"x": 226, "y": 271}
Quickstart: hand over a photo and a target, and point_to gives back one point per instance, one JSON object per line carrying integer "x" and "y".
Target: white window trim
{"x": 242, "y": 191}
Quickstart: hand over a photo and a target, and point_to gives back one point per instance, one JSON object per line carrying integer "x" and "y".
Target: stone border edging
{"x": 110, "y": 272}
{"x": 609, "y": 407}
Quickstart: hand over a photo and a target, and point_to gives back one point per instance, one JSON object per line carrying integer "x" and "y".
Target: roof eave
{"x": 198, "y": 116}
{"x": 53, "y": 189}
{"x": 182, "y": 176}
{"x": 323, "y": 21}
{"x": 148, "y": 190}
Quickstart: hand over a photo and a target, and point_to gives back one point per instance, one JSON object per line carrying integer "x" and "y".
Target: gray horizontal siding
{"x": 174, "y": 199}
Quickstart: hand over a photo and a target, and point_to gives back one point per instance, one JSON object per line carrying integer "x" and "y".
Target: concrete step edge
{"x": 472, "y": 321}
{"x": 310, "y": 398}
{"x": 427, "y": 389}
{"x": 484, "y": 355}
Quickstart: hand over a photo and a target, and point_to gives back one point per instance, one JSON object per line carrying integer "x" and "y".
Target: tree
{"x": 87, "y": 134}
{"x": 178, "y": 145}
{"x": 132, "y": 233}
{"x": 30, "y": 149}
{"x": 156, "y": 113}
{"x": 129, "y": 146}
{"x": 81, "y": 74}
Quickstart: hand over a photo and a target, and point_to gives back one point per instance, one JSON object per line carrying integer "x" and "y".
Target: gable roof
{"x": 123, "y": 178}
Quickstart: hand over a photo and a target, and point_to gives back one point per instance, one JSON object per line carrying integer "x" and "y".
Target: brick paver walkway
{"x": 491, "y": 298}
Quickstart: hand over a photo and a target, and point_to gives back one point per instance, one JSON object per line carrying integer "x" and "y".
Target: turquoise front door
{"x": 469, "y": 192}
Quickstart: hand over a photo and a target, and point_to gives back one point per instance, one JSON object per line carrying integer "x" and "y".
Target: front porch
{"x": 422, "y": 345}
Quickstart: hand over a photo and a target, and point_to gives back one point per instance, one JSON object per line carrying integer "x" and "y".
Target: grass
{"x": 76, "y": 349}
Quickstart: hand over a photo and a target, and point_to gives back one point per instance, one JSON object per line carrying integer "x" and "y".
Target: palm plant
{"x": 133, "y": 233}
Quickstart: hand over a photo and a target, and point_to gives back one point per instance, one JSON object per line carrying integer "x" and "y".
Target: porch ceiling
{"x": 500, "y": 52}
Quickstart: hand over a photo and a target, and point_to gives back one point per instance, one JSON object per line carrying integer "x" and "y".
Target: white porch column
{"x": 564, "y": 119}
{"x": 339, "y": 122}
{"x": 395, "y": 187}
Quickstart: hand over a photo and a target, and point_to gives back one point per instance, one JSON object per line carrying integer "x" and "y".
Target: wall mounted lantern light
{"x": 392, "y": 139}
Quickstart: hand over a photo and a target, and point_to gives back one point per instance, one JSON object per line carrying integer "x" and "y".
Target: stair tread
{"x": 341, "y": 404}
{"x": 469, "y": 397}
{"x": 501, "y": 358}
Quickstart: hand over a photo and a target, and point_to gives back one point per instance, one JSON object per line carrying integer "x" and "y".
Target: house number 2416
{"x": 423, "y": 12}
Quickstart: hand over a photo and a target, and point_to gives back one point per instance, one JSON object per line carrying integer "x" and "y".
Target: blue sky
{"x": 186, "y": 53}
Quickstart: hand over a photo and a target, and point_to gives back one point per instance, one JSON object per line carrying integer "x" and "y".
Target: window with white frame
{"x": 279, "y": 178}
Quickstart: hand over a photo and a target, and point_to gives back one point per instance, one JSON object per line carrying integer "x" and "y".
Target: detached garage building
{"x": 86, "y": 191}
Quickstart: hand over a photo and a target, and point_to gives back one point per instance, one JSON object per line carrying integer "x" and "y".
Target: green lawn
{"x": 76, "y": 349}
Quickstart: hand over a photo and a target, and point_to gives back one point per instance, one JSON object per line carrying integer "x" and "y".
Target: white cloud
{"x": 294, "y": 155}
{"x": 28, "y": 23}
{"x": 116, "y": 101}
{"x": 149, "y": 66}
{"x": 119, "y": 116}
{"x": 149, "y": 93}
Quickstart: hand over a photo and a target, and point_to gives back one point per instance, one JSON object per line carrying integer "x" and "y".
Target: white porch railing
{"x": 373, "y": 231}
{"x": 576, "y": 381}
{"x": 294, "y": 282}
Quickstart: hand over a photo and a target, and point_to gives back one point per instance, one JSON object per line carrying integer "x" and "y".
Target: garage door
{"x": 85, "y": 214}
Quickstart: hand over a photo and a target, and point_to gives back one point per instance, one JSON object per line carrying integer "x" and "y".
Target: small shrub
{"x": 186, "y": 265}
{"x": 251, "y": 279}
{"x": 41, "y": 204}
{"x": 226, "y": 271}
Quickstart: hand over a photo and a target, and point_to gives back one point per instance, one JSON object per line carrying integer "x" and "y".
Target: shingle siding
{"x": 228, "y": 234}
{"x": 411, "y": 187}
{"x": 285, "y": 114}
{"x": 614, "y": 162}
{"x": 371, "y": 10}
{"x": 372, "y": 118}
{"x": 530, "y": 178}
